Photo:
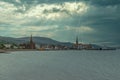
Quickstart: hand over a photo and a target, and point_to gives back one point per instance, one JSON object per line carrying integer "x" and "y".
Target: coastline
{"x": 12, "y": 50}
{"x": 20, "y": 49}
{"x": 2, "y": 51}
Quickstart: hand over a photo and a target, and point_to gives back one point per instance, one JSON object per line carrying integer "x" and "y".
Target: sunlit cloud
{"x": 61, "y": 19}
{"x": 86, "y": 29}
{"x": 83, "y": 29}
{"x": 18, "y": 1}
{"x": 12, "y": 14}
{"x": 56, "y": 11}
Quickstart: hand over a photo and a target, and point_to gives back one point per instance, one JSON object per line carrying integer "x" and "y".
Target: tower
{"x": 32, "y": 44}
{"x": 77, "y": 41}
{"x": 31, "y": 41}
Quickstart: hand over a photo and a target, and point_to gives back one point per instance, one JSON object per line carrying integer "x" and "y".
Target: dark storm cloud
{"x": 94, "y": 2}
{"x": 105, "y": 2}
{"x": 105, "y": 22}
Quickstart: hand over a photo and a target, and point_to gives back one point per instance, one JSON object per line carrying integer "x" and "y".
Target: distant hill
{"x": 37, "y": 40}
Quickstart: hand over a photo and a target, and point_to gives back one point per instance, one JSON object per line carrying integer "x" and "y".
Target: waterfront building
{"x": 30, "y": 45}
{"x": 80, "y": 46}
{"x": 76, "y": 45}
{"x": 8, "y": 46}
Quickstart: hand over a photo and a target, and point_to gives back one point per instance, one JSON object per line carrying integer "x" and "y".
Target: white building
{"x": 8, "y": 45}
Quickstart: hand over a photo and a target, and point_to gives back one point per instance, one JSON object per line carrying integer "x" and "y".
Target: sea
{"x": 60, "y": 65}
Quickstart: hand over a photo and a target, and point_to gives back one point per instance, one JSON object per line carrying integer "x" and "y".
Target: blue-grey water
{"x": 60, "y": 65}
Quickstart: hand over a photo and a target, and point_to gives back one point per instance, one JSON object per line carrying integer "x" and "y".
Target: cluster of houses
{"x": 8, "y": 46}
{"x": 32, "y": 45}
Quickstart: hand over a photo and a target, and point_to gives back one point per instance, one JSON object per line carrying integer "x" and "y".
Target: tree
{"x": 2, "y": 46}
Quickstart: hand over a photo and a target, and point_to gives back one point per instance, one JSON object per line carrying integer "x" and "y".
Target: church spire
{"x": 31, "y": 41}
{"x": 77, "y": 40}
{"x": 31, "y": 44}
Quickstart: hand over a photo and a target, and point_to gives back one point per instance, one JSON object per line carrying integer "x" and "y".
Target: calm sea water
{"x": 60, "y": 65}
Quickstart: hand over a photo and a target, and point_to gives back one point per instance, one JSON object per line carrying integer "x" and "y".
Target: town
{"x": 31, "y": 45}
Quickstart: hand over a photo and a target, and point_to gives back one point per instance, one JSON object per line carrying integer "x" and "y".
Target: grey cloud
{"x": 102, "y": 16}
{"x": 53, "y": 10}
{"x": 3, "y": 24}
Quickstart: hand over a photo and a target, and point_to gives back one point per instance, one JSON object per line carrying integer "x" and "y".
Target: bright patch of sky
{"x": 62, "y": 20}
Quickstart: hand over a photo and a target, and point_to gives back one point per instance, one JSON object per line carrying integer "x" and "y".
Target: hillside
{"x": 37, "y": 40}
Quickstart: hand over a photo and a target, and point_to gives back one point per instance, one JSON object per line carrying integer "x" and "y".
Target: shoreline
{"x": 21, "y": 50}
{"x": 12, "y": 50}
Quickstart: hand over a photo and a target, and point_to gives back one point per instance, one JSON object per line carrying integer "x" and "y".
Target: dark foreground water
{"x": 60, "y": 65}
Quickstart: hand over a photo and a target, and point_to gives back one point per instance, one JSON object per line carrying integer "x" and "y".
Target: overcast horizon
{"x": 93, "y": 21}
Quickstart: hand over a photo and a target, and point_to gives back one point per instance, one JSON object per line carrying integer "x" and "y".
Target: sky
{"x": 93, "y": 21}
